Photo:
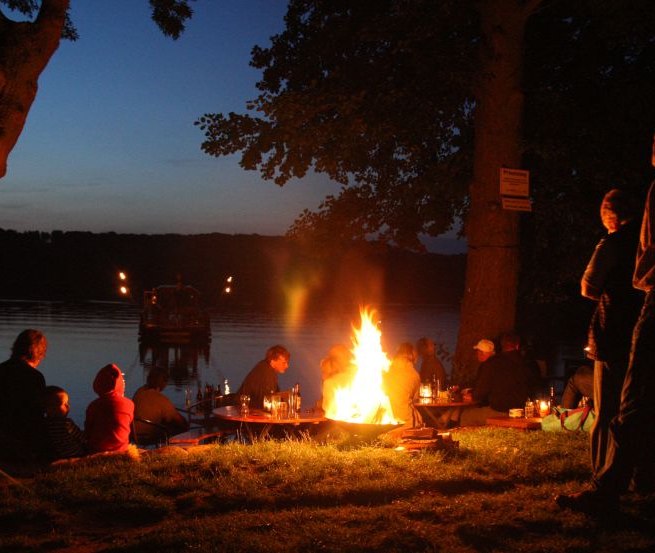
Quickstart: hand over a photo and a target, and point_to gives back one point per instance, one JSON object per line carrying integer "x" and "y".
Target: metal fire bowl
{"x": 363, "y": 430}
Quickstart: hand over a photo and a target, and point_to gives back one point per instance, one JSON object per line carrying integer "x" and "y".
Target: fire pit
{"x": 365, "y": 431}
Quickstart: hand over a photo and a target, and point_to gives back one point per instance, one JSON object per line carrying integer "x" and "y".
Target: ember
{"x": 362, "y": 399}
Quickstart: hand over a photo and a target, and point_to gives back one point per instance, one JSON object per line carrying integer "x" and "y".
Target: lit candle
{"x": 544, "y": 408}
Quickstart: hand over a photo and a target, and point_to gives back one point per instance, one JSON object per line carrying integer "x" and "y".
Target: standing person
{"x": 608, "y": 281}
{"x": 150, "y": 404}
{"x": 631, "y": 432}
{"x": 431, "y": 368}
{"x": 22, "y": 388}
{"x": 262, "y": 378}
{"x": 109, "y": 418}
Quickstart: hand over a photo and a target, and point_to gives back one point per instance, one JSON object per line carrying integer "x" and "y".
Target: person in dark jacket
{"x": 262, "y": 378}
{"x": 22, "y": 388}
{"x": 505, "y": 381}
{"x": 631, "y": 434}
{"x": 608, "y": 281}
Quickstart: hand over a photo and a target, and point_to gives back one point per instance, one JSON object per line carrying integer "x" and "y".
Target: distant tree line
{"x": 268, "y": 272}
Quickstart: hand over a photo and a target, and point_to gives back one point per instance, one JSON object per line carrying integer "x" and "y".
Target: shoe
{"x": 590, "y": 502}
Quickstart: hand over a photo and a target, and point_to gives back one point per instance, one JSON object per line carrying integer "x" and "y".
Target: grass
{"x": 494, "y": 493}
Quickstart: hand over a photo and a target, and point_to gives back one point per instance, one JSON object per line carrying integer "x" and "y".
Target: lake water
{"x": 82, "y": 337}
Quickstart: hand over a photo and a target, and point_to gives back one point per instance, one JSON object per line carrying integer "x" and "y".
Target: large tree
{"x": 28, "y": 41}
{"x": 414, "y": 106}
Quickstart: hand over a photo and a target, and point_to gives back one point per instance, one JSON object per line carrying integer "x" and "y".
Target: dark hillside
{"x": 268, "y": 271}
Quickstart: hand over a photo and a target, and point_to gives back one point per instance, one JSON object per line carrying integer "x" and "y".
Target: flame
{"x": 362, "y": 398}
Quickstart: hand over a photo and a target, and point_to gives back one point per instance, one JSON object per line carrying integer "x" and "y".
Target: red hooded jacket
{"x": 109, "y": 418}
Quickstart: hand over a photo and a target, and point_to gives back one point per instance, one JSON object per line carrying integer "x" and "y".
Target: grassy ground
{"x": 494, "y": 493}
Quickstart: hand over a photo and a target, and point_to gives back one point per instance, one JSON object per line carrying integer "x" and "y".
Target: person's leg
{"x": 632, "y": 429}
{"x": 608, "y": 383}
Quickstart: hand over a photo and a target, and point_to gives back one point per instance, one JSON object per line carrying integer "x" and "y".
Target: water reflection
{"x": 182, "y": 361}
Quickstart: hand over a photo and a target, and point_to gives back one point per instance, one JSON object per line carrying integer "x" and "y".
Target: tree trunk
{"x": 25, "y": 50}
{"x": 492, "y": 268}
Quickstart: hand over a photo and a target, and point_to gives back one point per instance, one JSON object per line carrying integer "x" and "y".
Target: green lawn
{"x": 493, "y": 493}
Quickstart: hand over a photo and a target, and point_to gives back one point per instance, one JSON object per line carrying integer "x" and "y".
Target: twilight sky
{"x": 110, "y": 145}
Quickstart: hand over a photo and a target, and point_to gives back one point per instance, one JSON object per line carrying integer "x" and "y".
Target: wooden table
{"x": 433, "y": 411}
{"x": 257, "y": 424}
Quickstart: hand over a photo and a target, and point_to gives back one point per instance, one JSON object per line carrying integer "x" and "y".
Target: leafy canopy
{"x": 365, "y": 92}
{"x": 169, "y": 15}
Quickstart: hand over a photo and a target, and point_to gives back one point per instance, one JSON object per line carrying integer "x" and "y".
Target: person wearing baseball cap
{"x": 484, "y": 349}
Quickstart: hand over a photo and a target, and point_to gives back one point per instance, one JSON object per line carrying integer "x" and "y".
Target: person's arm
{"x": 644, "y": 275}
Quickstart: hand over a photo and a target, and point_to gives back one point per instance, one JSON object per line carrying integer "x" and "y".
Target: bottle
{"x": 199, "y": 393}
{"x": 187, "y": 397}
{"x": 292, "y": 402}
{"x": 226, "y": 387}
{"x": 298, "y": 398}
{"x": 217, "y": 396}
{"x": 552, "y": 400}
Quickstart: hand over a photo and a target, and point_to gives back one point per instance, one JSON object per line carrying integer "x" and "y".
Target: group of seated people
{"x": 34, "y": 421}
{"x": 34, "y": 417}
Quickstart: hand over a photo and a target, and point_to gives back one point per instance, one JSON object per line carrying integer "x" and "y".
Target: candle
{"x": 544, "y": 408}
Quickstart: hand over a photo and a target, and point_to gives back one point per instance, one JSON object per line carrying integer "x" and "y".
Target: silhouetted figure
{"x": 22, "y": 388}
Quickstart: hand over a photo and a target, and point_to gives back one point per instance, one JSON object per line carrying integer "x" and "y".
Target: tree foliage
{"x": 365, "y": 92}
{"x": 381, "y": 95}
{"x": 30, "y": 32}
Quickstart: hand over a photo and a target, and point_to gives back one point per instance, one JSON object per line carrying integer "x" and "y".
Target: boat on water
{"x": 173, "y": 313}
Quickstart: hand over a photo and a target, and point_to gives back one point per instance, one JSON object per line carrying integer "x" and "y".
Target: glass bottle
{"x": 552, "y": 400}
{"x": 298, "y": 398}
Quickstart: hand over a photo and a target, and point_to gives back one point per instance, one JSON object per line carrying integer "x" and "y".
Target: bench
{"x": 198, "y": 436}
{"x": 520, "y": 423}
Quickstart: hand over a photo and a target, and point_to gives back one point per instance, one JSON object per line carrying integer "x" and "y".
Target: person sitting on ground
{"x": 504, "y": 382}
{"x": 150, "y": 404}
{"x": 484, "y": 349}
{"x": 580, "y": 384}
{"x": 21, "y": 399}
{"x": 263, "y": 377}
{"x": 109, "y": 418}
{"x": 336, "y": 373}
{"x": 431, "y": 368}
{"x": 65, "y": 438}
{"x": 401, "y": 383}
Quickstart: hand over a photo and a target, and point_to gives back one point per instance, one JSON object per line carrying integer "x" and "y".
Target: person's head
{"x": 484, "y": 349}
{"x": 425, "y": 347}
{"x": 157, "y": 378}
{"x": 510, "y": 341}
{"x": 616, "y": 209}
{"x": 109, "y": 380}
{"x": 406, "y": 350}
{"x": 56, "y": 402}
{"x": 337, "y": 361}
{"x": 278, "y": 358}
{"x": 30, "y": 346}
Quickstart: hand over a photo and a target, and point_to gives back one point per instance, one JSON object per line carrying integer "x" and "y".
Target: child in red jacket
{"x": 109, "y": 418}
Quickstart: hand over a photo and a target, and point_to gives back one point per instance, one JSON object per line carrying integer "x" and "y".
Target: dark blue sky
{"x": 110, "y": 144}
